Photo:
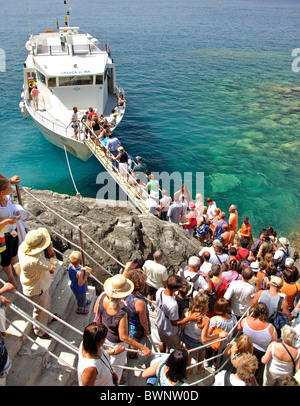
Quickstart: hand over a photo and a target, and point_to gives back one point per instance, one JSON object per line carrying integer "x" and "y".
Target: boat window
{"x": 99, "y": 79}
{"x": 41, "y": 77}
{"x": 76, "y": 80}
{"x": 52, "y": 82}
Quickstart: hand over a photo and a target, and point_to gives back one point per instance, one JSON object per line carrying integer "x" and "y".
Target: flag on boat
{"x": 65, "y": 20}
{"x": 57, "y": 26}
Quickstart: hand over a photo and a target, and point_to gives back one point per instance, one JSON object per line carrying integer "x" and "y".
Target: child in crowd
{"x": 78, "y": 276}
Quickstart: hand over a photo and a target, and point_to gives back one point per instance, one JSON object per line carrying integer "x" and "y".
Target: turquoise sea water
{"x": 210, "y": 88}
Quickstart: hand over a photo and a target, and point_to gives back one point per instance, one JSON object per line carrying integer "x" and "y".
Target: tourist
{"x": 112, "y": 146}
{"x": 152, "y": 205}
{"x": 191, "y": 219}
{"x": 91, "y": 112}
{"x": 246, "y": 230}
{"x": 289, "y": 288}
{"x": 75, "y": 122}
{"x": 267, "y": 246}
{"x": 244, "y": 376}
{"x": 183, "y": 296}
{"x": 112, "y": 121}
{"x": 223, "y": 318}
{"x": 121, "y": 100}
{"x": 94, "y": 366}
{"x": 36, "y": 276}
{"x": 95, "y": 126}
{"x": 206, "y": 265}
{"x": 165, "y": 203}
{"x": 235, "y": 349}
{"x": 153, "y": 186}
{"x": 78, "y": 277}
{"x": 169, "y": 372}
{"x": 176, "y": 211}
{"x": 239, "y": 293}
{"x": 201, "y": 282}
{"x": 233, "y": 218}
{"x": 203, "y": 226}
{"x": 271, "y": 297}
{"x": 226, "y": 236}
{"x": 156, "y": 273}
{"x": 272, "y": 234}
{"x": 184, "y": 195}
{"x": 281, "y": 358}
{"x": 218, "y": 284}
{"x": 35, "y": 97}
{"x": 217, "y": 256}
{"x": 196, "y": 333}
{"x": 262, "y": 333}
{"x": 9, "y": 214}
{"x": 111, "y": 311}
{"x": 232, "y": 273}
{"x": 139, "y": 173}
{"x": 122, "y": 158}
{"x": 211, "y": 207}
{"x": 232, "y": 252}
{"x": 217, "y": 231}
{"x": 103, "y": 138}
{"x": 243, "y": 252}
{"x": 283, "y": 252}
{"x": 199, "y": 204}
{"x": 167, "y": 321}
{"x": 290, "y": 266}
{"x": 139, "y": 321}
{"x": 255, "y": 247}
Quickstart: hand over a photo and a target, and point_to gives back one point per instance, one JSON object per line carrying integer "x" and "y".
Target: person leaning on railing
{"x": 35, "y": 275}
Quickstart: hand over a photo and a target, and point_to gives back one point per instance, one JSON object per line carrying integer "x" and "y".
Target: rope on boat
{"x": 77, "y": 193}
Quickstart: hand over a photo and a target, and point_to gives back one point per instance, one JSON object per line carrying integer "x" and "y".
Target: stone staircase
{"x": 32, "y": 365}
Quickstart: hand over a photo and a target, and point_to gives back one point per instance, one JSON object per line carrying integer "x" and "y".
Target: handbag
{"x": 216, "y": 330}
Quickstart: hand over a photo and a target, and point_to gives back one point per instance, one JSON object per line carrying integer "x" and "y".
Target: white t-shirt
{"x": 220, "y": 380}
{"x": 167, "y": 311}
{"x": 239, "y": 293}
{"x": 205, "y": 267}
{"x": 214, "y": 258}
{"x": 211, "y": 210}
{"x": 200, "y": 282}
{"x": 156, "y": 274}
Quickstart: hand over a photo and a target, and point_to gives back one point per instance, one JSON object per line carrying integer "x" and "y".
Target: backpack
{"x": 202, "y": 230}
{"x": 278, "y": 318}
{"x": 213, "y": 297}
{"x": 3, "y": 355}
{"x": 191, "y": 281}
{"x": 285, "y": 256}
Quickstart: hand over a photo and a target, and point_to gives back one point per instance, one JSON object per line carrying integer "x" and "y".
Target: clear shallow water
{"x": 210, "y": 89}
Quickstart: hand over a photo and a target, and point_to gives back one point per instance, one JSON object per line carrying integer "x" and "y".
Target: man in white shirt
{"x": 240, "y": 293}
{"x": 157, "y": 274}
{"x": 200, "y": 281}
{"x": 216, "y": 253}
{"x": 211, "y": 207}
{"x": 206, "y": 266}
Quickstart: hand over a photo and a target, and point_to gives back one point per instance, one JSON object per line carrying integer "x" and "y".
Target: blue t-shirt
{"x": 74, "y": 281}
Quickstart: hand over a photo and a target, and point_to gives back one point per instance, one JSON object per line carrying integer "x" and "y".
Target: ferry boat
{"x": 70, "y": 69}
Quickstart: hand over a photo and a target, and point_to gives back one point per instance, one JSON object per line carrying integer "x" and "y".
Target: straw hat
{"x": 118, "y": 286}
{"x": 36, "y": 241}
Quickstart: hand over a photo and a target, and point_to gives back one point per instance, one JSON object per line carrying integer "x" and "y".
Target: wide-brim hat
{"x": 118, "y": 287}
{"x": 36, "y": 241}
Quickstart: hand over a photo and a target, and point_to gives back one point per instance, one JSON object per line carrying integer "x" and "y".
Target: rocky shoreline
{"x": 117, "y": 227}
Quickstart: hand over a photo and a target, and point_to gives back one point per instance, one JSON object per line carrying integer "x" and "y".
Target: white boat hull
{"x": 76, "y": 148}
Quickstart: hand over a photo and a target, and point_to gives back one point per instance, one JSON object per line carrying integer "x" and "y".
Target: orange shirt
{"x": 246, "y": 230}
{"x": 290, "y": 290}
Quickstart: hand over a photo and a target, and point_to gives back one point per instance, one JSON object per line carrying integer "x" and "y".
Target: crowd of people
{"x": 224, "y": 299}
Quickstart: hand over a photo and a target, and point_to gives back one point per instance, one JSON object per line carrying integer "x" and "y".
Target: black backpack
{"x": 191, "y": 281}
{"x": 278, "y": 318}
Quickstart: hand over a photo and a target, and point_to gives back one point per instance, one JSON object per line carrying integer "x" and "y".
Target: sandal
{"x": 87, "y": 302}
{"x": 82, "y": 311}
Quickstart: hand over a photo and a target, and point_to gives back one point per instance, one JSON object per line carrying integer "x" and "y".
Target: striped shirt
{"x": 35, "y": 276}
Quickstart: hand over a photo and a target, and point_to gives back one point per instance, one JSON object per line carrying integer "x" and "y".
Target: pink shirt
{"x": 34, "y": 92}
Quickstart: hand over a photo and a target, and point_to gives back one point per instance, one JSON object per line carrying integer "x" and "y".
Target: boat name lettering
{"x": 76, "y": 72}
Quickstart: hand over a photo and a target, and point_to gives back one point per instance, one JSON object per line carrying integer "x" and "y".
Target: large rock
{"x": 120, "y": 234}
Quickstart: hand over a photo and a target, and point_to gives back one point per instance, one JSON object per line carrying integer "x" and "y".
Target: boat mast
{"x": 67, "y": 15}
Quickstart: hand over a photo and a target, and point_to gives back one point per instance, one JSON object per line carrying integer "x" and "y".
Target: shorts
{"x": 190, "y": 342}
{"x": 151, "y": 291}
{"x": 11, "y": 251}
{"x": 171, "y": 342}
